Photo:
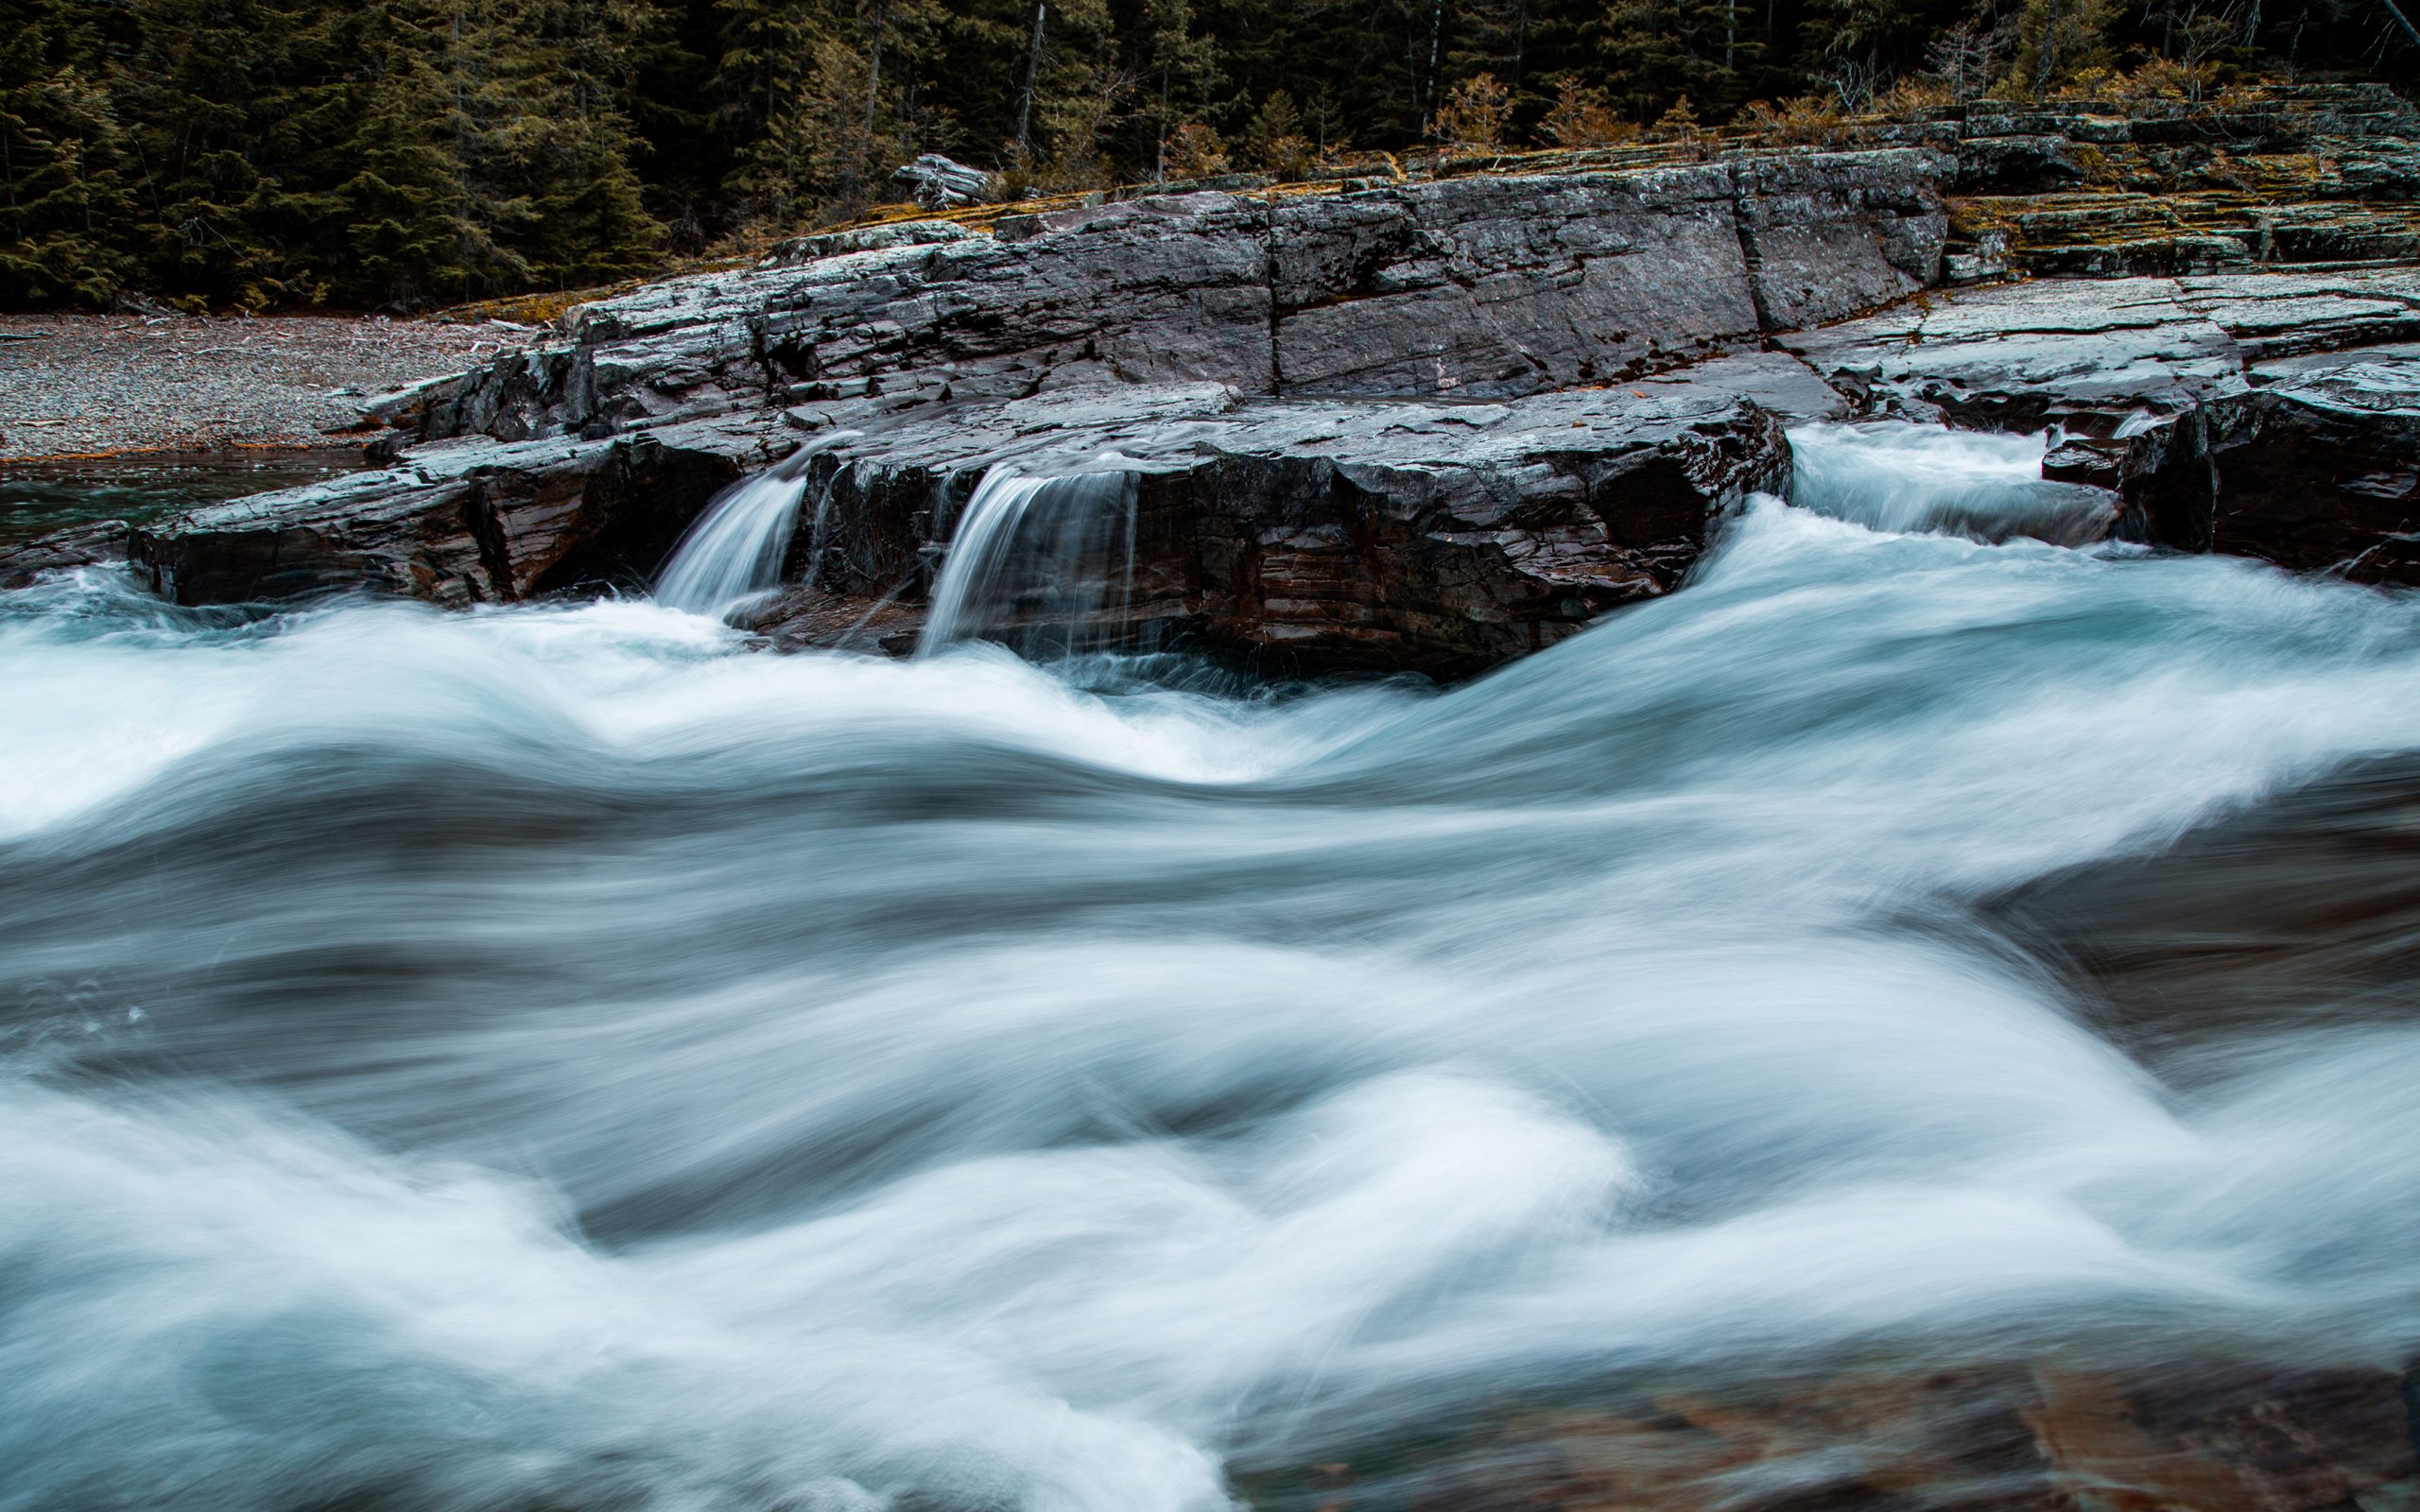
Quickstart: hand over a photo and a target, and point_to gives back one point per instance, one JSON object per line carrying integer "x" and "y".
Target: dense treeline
{"x": 411, "y": 152}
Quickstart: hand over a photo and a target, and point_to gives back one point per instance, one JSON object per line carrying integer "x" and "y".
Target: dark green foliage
{"x": 65, "y": 206}
{"x": 405, "y": 153}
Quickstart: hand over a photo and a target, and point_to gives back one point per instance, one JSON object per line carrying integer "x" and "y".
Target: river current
{"x": 559, "y": 1057}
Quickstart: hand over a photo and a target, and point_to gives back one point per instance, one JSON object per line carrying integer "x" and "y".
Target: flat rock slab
{"x": 2015, "y": 356}
{"x": 1492, "y": 286}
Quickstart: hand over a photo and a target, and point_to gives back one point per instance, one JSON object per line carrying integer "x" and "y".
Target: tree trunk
{"x": 2045, "y": 58}
{"x": 1436, "y": 40}
{"x": 874, "y": 67}
{"x": 1032, "y": 76}
{"x": 2402, "y": 20}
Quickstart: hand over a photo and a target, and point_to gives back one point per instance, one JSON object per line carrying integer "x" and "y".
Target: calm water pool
{"x": 37, "y": 498}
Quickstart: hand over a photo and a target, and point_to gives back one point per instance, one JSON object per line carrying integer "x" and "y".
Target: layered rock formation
{"x": 1284, "y": 373}
{"x": 1389, "y": 535}
{"x": 1316, "y": 498}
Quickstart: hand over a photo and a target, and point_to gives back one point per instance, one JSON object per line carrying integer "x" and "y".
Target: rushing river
{"x": 561, "y": 1058}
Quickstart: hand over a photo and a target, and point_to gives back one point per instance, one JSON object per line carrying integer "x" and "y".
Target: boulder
{"x": 937, "y": 183}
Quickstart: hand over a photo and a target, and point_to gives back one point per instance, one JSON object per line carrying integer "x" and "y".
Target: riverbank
{"x": 80, "y": 386}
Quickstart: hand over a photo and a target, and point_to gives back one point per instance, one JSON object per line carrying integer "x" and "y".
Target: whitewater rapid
{"x": 560, "y": 1055}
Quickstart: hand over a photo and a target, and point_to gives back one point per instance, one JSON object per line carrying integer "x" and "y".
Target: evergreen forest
{"x": 402, "y": 154}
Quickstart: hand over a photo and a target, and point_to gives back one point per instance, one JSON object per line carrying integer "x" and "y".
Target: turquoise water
{"x": 37, "y": 498}
{"x": 560, "y": 1057}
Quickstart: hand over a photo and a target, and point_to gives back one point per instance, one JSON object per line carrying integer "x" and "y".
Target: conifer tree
{"x": 412, "y": 215}
{"x": 64, "y": 200}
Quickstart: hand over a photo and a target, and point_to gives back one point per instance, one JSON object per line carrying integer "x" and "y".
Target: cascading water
{"x": 552, "y": 1058}
{"x": 1896, "y": 476}
{"x": 1046, "y": 561}
{"x": 734, "y": 550}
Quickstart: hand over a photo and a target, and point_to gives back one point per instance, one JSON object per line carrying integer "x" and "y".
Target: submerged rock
{"x": 2200, "y": 1436}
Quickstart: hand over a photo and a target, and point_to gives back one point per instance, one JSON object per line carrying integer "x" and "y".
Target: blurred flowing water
{"x": 560, "y": 1058}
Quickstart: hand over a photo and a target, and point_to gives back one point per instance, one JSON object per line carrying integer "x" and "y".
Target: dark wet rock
{"x": 460, "y": 523}
{"x": 82, "y": 547}
{"x": 1341, "y": 502}
{"x": 1439, "y": 535}
{"x": 1430, "y": 536}
{"x": 2320, "y": 467}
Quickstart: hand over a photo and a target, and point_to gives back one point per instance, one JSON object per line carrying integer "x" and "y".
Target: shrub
{"x": 1584, "y": 118}
{"x": 1475, "y": 115}
{"x": 1193, "y": 150}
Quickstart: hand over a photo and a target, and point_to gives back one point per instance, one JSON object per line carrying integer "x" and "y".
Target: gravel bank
{"x": 82, "y": 384}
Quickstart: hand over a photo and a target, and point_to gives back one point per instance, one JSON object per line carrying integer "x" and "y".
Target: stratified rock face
{"x": 1484, "y": 286}
{"x": 1323, "y": 507}
{"x": 2301, "y": 175}
{"x": 2266, "y": 415}
{"x": 462, "y": 524}
{"x": 1389, "y": 535}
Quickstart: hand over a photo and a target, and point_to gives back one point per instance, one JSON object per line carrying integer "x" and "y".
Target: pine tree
{"x": 2056, "y": 39}
{"x": 65, "y": 202}
{"x": 771, "y": 49}
{"x": 200, "y": 85}
{"x": 411, "y": 213}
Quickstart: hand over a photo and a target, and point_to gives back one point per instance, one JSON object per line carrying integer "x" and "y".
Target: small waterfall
{"x": 1907, "y": 478}
{"x": 734, "y": 550}
{"x": 1033, "y": 562}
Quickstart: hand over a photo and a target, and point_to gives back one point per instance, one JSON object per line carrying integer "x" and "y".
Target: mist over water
{"x": 559, "y": 1057}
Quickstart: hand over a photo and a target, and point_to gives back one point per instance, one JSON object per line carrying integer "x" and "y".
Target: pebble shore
{"x": 76, "y": 385}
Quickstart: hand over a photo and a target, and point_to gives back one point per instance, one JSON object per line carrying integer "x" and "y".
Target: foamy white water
{"x": 554, "y": 1057}
{"x": 1896, "y": 476}
{"x": 734, "y": 550}
{"x": 1052, "y": 554}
